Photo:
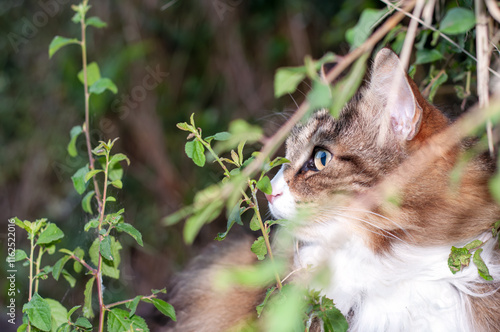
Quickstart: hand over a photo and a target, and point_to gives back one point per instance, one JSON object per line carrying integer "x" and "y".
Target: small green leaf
{"x": 132, "y": 306}
{"x": 92, "y": 173}
{"x": 51, "y": 234}
{"x": 38, "y": 311}
{"x": 459, "y": 258}
{"x": 482, "y": 269}
{"x": 74, "y": 133}
{"x": 158, "y": 291}
{"x": 427, "y": 56}
{"x": 83, "y": 322}
{"x": 457, "y": 20}
{"x": 254, "y": 223}
{"x": 101, "y": 85}
{"x": 93, "y": 74}
{"x": 205, "y": 214}
{"x": 473, "y": 245}
{"x": 58, "y": 267}
{"x": 59, "y": 42}
{"x": 198, "y": 153}
{"x": 165, "y": 308}
{"x": 93, "y": 223}
{"x": 86, "y": 202}
{"x": 79, "y": 179}
{"x": 287, "y": 79}
{"x": 259, "y": 248}
{"x": 95, "y": 22}
{"x": 184, "y": 126}
{"x": 69, "y": 278}
{"x": 119, "y": 320}
{"x": 222, "y": 136}
{"x": 264, "y": 185}
{"x": 87, "y": 305}
{"x": 71, "y": 311}
{"x": 20, "y": 255}
{"x": 261, "y": 306}
{"x": 234, "y": 217}
{"x": 130, "y": 230}
{"x": 117, "y": 184}
{"x": 105, "y": 248}
{"x": 119, "y": 157}
{"x": 440, "y": 81}
{"x": 109, "y": 268}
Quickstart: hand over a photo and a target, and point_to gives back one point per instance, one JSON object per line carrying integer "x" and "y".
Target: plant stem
{"x": 102, "y": 307}
{"x": 31, "y": 266}
{"x": 209, "y": 148}
{"x": 263, "y": 228}
{"x": 38, "y": 263}
{"x": 81, "y": 261}
{"x": 86, "y": 126}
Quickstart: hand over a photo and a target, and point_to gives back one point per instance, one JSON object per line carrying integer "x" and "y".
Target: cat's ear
{"x": 401, "y": 113}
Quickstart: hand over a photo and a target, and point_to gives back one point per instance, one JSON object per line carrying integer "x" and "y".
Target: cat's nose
{"x": 273, "y": 196}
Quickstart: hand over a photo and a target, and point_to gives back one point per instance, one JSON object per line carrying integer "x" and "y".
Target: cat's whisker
{"x": 378, "y": 215}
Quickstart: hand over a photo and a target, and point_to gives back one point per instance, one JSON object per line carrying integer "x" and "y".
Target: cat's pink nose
{"x": 273, "y": 196}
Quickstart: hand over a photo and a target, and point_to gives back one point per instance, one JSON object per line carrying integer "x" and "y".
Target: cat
{"x": 387, "y": 255}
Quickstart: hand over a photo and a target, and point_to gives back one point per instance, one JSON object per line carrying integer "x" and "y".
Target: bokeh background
{"x": 214, "y": 58}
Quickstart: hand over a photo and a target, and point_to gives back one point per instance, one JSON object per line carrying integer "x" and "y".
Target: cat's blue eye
{"x": 321, "y": 159}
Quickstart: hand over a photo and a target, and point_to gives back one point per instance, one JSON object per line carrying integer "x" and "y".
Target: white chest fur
{"x": 412, "y": 290}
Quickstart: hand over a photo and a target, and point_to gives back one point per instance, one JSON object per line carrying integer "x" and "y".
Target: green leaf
{"x": 333, "y": 320}
{"x": 93, "y": 74}
{"x": 109, "y": 267}
{"x": 234, "y": 217}
{"x": 115, "y": 171}
{"x": 119, "y": 157}
{"x": 83, "y": 322}
{"x": 254, "y": 223}
{"x": 427, "y": 56}
{"x": 119, "y": 320}
{"x": 105, "y": 248}
{"x": 95, "y": 22}
{"x": 195, "y": 150}
{"x": 59, "y": 42}
{"x": 158, "y": 291}
{"x": 457, "y": 20}
{"x": 87, "y": 305}
{"x": 264, "y": 185}
{"x": 74, "y": 133}
{"x": 79, "y": 179}
{"x": 92, "y": 173}
{"x": 69, "y": 278}
{"x": 363, "y": 29}
{"x": 132, "y": 306}
{"x": 184, "y": 126}
{"x": 117, "y": 184}
{"x": 20, "y": 255}
{"x": 38, "y": 311}
{"x": 93, "y": 223}
{"x": 459, "y": 258}
{"x": 287, "y": 79}
{"x": 86, "y": 202}
{"x": 240, "y": 131}
{"x": 259, "y": 248}
{"x": 58, "y": 267}
{"x": 71, "y": 311}
{"x": 345, "y": 88}
{"x": 50, "y": 234}
{"x": 222, "y": 136}
{"x": 482, "y": 269}
{"x": 261, "y": 306}
{"x": 320, "y": 95}
{"x": 101, "y": 85}
{"x": 130, "y": 230}
{"x": 58, "y": 314}
{"x": 165, "y": 308}
{"x": 473, "y": 245}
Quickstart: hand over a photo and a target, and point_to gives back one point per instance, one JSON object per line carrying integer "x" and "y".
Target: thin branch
{"x": 493, "y": 9}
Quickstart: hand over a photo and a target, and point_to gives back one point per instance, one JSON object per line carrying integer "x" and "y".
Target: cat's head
{"x": 333, "y": 161}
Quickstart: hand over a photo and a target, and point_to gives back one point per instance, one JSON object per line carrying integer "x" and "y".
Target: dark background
{"x": 220, "y": 57}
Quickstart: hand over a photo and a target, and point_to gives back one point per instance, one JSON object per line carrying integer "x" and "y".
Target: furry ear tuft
{"x": 389, "y": 82}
